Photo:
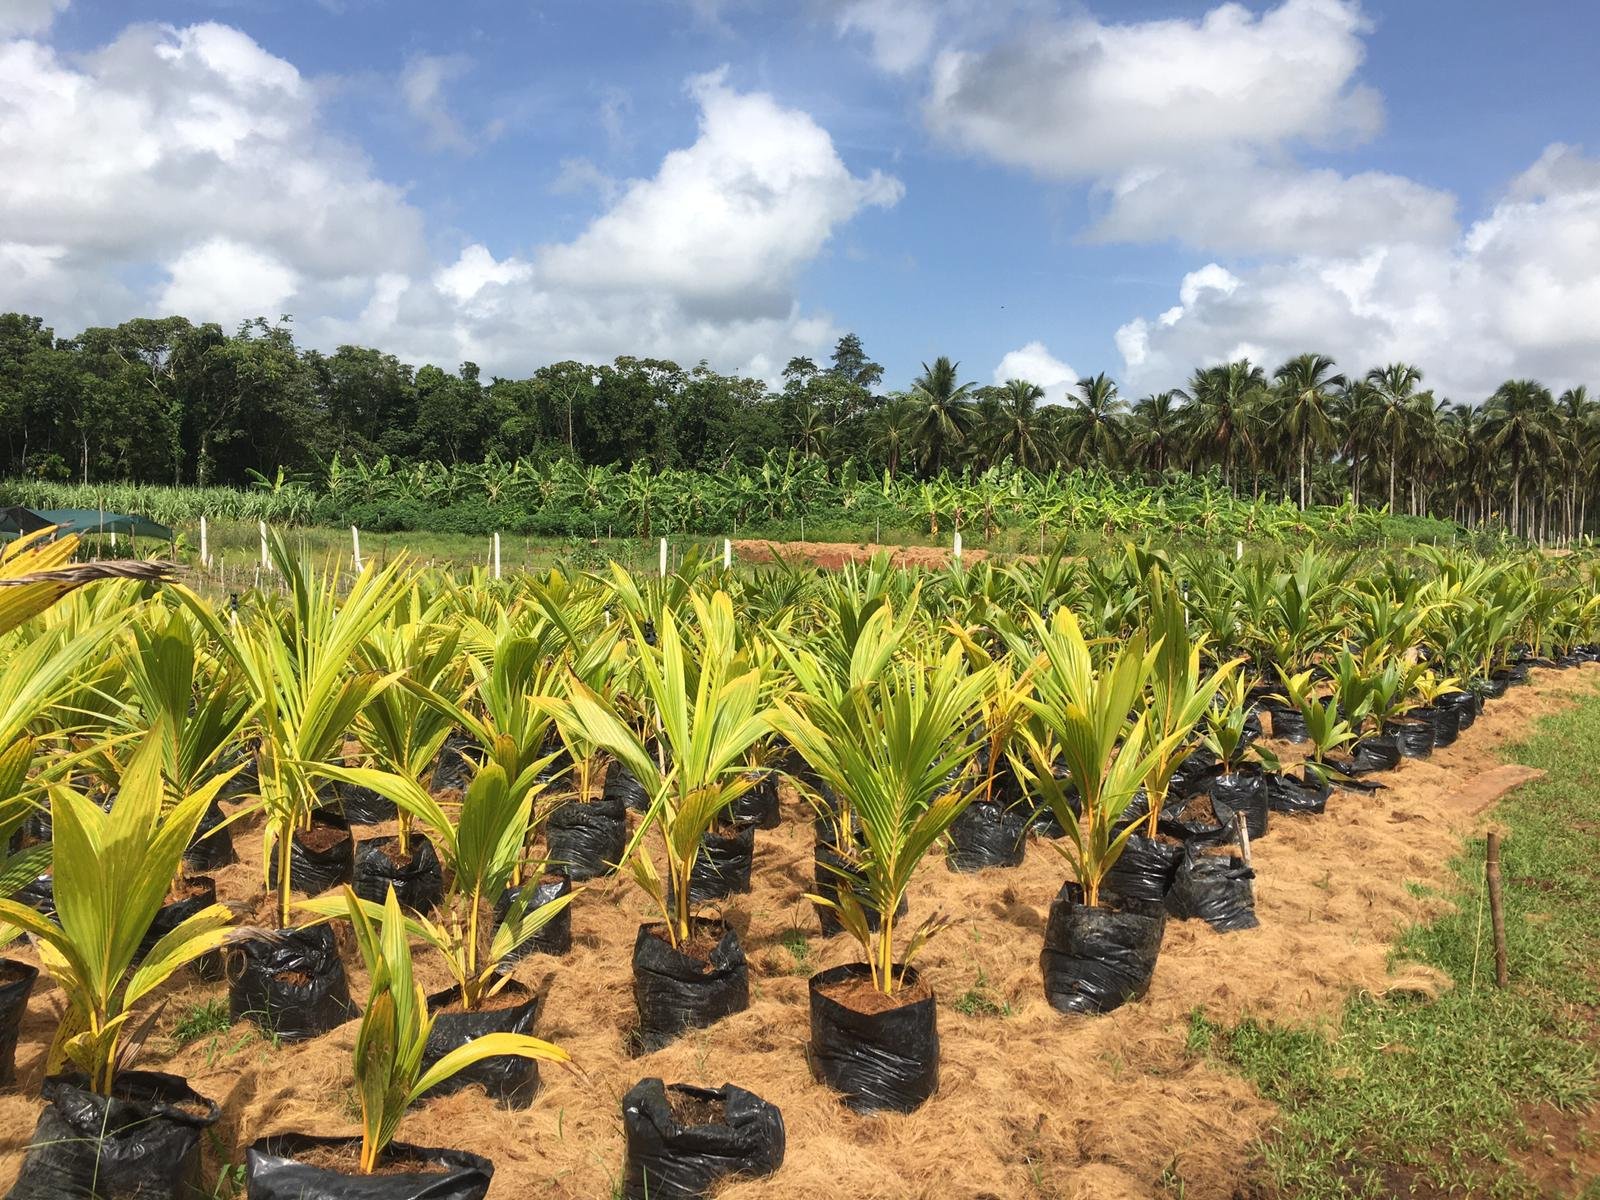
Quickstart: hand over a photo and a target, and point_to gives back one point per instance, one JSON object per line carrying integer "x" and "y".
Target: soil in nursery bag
{"x": 623, "y": 785}
{"x": 292, "y": 1166}
{"x": 1144, "y": 870}
{"x": 881, "y": 1053}
{"x": 556, "y": 936}
{"x": 722, "y": 867}
{"x": 585, "y": 841}
{"x": 510, "y": 1081}
{"x": 16, "y": 985}
{"x": 682, "y": 1141}
{"x": 1097, "y": 959}
{"x": 417, "y": 878}
{"x": 759, "y": 806}
{"x": 1189, "y": 819}
{"x": 1293, "y": 794}
{"x": 1215, "y": 888}
{"x": 212, "y": 848}
{"x": 1243, "y": 792}
{"x": 831, "y": 871}
{"x": 320, "y": 858}
{"x": 188, "y": 896}
{"x": 687, "y": 987}
{"x": 290, "y": 982}
{"x": 987, "y": 834}
{"x": 140, "y": 1143}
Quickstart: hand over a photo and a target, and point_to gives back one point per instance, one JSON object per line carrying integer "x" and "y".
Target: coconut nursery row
{"x": 519, "y": 740}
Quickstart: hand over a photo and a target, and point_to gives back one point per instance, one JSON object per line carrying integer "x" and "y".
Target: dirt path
{"x": 1031, "y": 1103}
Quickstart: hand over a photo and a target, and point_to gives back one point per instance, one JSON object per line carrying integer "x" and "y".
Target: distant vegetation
{"x": 641, "y": 445}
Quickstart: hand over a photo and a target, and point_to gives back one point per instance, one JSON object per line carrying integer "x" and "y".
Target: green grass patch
{"x": 979, "y": 1000}
{"x": 202, "y": 1020}
{"x": 1428, "y": 1094}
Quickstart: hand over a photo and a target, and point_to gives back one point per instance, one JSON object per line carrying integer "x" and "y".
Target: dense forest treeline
{"x": 169, "y": 401}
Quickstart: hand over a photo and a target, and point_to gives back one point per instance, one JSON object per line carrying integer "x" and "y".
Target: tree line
{"x": 170, "y": 401}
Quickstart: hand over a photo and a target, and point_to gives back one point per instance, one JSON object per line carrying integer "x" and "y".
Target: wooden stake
{"x": 1242, "y": 832}
{"x": 1497, "y": 915}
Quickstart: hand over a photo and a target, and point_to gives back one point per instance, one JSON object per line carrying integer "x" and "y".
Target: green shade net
{"x": 17, "y": 521}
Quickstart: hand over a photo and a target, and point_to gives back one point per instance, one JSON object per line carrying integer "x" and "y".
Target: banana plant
{"x": 394, "y": 1031}
{"x": 890, "y": 744}
{"x": 705, "y": 697}
{"x": 480, "y": 849}
{"x": 112, "y": 872}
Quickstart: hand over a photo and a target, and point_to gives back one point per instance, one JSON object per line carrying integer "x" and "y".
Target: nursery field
{"x": 1058, "y": 878}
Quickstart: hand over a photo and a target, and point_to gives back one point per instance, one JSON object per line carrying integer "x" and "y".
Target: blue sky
{"x": 1013, "y": 178}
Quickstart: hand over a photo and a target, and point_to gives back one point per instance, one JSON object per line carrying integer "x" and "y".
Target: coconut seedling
{"x": 301, "y": 666}
{"x": 892, "y": 745}
{"x": 1093, "y": 715}
{"x": 391, "y": 1068}
{"x": 1326, "y": 729}
{"x": 112, "y": 871}
{"x": 400, "y": 727}
{"x": 704, "y": 694}
{"x": 481, "y": 847}
{"x": 1180, "y": 691}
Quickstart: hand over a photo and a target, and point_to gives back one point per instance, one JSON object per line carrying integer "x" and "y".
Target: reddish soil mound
{"x": 833, "y": 555}
{"x": 1031, "y": 1103}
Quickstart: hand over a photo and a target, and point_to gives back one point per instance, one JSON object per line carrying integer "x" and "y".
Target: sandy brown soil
{"x": 1031, "y": 1104}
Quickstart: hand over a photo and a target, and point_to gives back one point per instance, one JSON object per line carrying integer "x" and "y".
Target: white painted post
{"x": 265, "y": 562}
{"x": 727, "y": 555}
{"x": 956, "y": 547}
{"x": 205, "y": 552}
{"x": 355, "y": 546}
{"x": 1238, "y": 551}
{"x": 663, "y": 558}
{"x": 497, "y": 555}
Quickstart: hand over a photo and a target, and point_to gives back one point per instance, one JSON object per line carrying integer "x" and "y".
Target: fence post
{"x": 355, "y": 545}
{"x": 497, "y": 554}
{"x": 955, "y": 547}
{"x": 205, "y": 552}
{"x": 727, "y": 555}
{"x": 663, "y": 558}
{"x": 265, "y": 563}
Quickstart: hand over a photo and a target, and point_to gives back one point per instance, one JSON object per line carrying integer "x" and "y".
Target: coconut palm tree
{"x": 1576, "y": 416}
{"x": 1225, "y": 399}
{"x": 1019, "y": 429}
{"x": 1392, "y": 416}
{"x": 943, "y": 414}
{"x": 1522, "y": 426}
{"x": 1155, "y": 432}
{"x": 1307, "y": 387}
{"x": 894, "y": 431}
{"x": 1091, "y": 429}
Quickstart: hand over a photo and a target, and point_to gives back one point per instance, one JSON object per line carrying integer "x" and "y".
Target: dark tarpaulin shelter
{"x": 16, "y": 521}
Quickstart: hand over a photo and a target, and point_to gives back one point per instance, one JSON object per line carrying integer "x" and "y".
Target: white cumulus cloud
{"x": 1080, "y": 98}
{"x": 1034, "y": 363}
{"x": 1514, "y": 295}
